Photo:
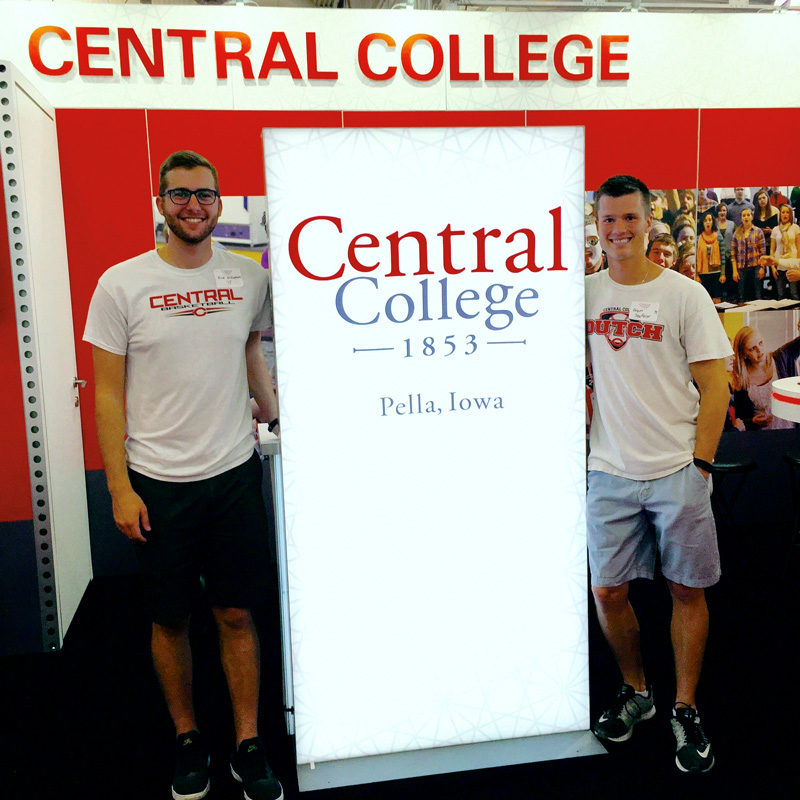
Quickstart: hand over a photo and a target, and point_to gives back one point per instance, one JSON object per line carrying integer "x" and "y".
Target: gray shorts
{"x": 622, "y": 543}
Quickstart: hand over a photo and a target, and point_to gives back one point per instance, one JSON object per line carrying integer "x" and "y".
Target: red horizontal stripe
{"x": 795, "y": 401}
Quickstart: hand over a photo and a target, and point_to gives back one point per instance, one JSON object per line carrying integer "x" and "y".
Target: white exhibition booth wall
{"x": 428, "y": 323}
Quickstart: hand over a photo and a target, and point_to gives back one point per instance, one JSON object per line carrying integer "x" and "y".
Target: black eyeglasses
{"x": 182, "y": 196}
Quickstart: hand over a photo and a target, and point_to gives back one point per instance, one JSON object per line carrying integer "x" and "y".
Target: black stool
{"x": 792, "y": 458}
{"x": 723, "y": 503}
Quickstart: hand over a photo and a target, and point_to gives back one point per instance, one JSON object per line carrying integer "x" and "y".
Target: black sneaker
{"x": 190, "y": 781}
{"x": 616, "y": 724}
{"x": 694, "y": 750}
{"x": 249, "y": 766}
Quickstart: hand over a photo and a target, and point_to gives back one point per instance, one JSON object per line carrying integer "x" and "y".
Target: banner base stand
{"x": 439, "y": 760}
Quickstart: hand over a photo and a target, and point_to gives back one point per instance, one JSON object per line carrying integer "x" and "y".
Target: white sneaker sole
{"x": 194, "y": 796}
{"x": 649, "y": 715}
{"x": 247, "y": 796}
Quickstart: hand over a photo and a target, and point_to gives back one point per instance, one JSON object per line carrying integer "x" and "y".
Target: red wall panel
{"x": 657, "y": 146}
{"x": 230, "y": 140}
{"x": 15, "y": 486}
{"x": 749, "y": 147}
{"x": 105, "y": 180}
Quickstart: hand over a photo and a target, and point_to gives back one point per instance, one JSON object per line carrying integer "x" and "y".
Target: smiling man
{"x": 652, "y": 336}
{"x": 176, "y": 336}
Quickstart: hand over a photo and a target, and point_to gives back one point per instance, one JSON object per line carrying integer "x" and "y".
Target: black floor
{"x": 88, "y": 722}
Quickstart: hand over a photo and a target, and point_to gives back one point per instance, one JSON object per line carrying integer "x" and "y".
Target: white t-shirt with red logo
{"x": 183, "y": 332}
{"x": 642, "y": 339}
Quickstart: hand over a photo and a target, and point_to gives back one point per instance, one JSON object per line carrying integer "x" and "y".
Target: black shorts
{"x": 215, "y": 528}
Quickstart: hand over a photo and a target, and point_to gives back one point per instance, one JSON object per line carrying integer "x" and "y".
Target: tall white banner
{"x": 428, "y": 289}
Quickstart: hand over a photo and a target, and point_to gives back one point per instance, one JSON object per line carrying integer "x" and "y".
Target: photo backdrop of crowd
{"x": 743, "y": 245}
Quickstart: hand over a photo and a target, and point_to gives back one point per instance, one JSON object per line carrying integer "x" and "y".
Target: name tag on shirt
{"x": 229, "y": 277}
{"x": 643, "y": 312}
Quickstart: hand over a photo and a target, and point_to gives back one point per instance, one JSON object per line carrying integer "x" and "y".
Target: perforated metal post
{"x": 19, "y": 247}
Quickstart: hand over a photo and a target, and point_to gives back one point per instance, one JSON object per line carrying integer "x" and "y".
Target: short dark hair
{"x": 713, "y": 220}
{"x": 619, "y": 186}
{"x": 664, "y": 238}
{"x": 184, "y": 159}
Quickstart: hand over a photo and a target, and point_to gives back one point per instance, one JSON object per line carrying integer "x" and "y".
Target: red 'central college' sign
{"x": 574, "y": 57}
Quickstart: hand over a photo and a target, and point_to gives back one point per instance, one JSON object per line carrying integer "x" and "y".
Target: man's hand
{"x": 793, "y": 274}
{"x": 129, "y": 510}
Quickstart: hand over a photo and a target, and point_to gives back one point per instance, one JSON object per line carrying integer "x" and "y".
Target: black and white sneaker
{"x": 190, "y": 781}
{"x": 694, "y": 750}
{"x": 616, "y": 724}
{"x": 249, "y": 766}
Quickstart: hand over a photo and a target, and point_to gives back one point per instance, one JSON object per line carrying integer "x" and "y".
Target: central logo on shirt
{"x": 618, "y": 329}
{"x": 198, "y": 303}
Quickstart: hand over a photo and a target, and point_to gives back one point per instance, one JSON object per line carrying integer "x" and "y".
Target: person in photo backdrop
{"x": 776, "y": 196}
{"x": 709, "y": 256}
{"x": 766, "y": 218}
{"x": 725, "y": 229}
{"x": 738, "y": 204}
{"x": 685, "y": 233}
{"x": 176, "y": 440}
{"x": 754, "y": 369}
{"x": 659, "y": 206}
{"x": 659, "y": 228}
{"x": 687, "y": 213}
{"x": 790, "y": 265}
{"x": 747, "y": 249}
{"x": 592, "y": 252}
{"x": 732, "y": 422}
{"x": 765, "y": 215}
{"x": 784, "y": 244}
{"x": 662, "y": 250}
{"x": 659, "y": 406}
{"x": 686, "y": 264}
{"x": 704, "y": 203}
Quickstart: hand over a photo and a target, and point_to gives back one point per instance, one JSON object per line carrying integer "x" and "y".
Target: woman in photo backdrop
{"x": 748, "y": 247}
{"x": 709, "y": 257}
{"x": 754, "y": 369}
{"x": 766, "y": 215}
{"x": 766, "y": 218}
{"x": 725, "y": 229}
{"x": 785, "y": 243}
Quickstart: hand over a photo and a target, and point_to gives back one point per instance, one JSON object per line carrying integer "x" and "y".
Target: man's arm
{"x": 791, "y": 265}
{"x": 130, "y": 513}
{"x": 712, "y": 383}
{"x": 258, "y": 377}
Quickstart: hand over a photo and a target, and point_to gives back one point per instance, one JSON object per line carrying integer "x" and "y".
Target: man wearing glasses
{"x": 176, "y": 336}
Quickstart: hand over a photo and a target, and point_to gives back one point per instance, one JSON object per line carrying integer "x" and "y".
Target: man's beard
{"x": 173, "y": 223}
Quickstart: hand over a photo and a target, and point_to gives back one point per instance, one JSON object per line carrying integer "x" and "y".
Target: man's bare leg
{"x": 621, "y": 629}
{"x": 238, "y": 641}
{"x": 172, "y": 658}
{"x": 689, "y": 631}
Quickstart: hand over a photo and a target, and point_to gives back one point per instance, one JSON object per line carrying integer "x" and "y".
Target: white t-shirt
{"x": 790, "y": 237}
{"x": 642, "y": 339}
{"x": 183, "y": 332}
